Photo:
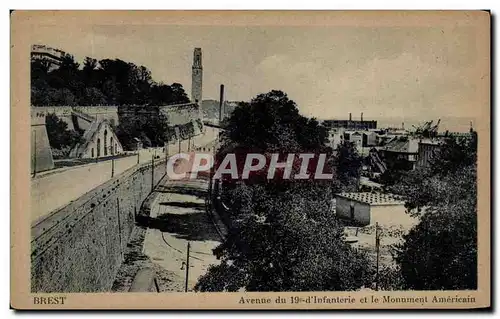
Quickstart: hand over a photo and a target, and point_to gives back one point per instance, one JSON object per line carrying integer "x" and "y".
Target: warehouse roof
{"x": 374, "y": 198}
{"x": 402, "y": 145}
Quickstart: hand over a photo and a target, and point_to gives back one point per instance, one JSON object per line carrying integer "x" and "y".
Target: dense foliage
{"x": 146, "y": 123}
{"x": 60, "y": 137}
{"x": 104, "y": 82}
{"x": 272, "y": 122}
{"x": 107, "y": 82}
{"x": 441, "y": 251}
{"x": 282, "y": 236}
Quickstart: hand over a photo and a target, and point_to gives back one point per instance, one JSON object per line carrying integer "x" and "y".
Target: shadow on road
{"x": 192, "y": 227}
{"x": 184, "y": 190}
{"x": 184, "y": 204}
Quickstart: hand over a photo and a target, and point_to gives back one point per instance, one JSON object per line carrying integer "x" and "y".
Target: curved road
{"x": 178, "y": 216}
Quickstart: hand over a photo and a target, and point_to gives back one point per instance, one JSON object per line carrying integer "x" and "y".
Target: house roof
{"x": 374, "y": 198}
{"x": 402, "y": 145}
{"x": 431, "y": 142}
{"x": 88, "y": 136}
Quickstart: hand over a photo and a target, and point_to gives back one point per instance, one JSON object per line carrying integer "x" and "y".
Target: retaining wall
{"x": 79, "y": 247}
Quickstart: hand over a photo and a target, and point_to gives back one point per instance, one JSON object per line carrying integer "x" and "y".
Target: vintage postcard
{"x": 250, "y": 160}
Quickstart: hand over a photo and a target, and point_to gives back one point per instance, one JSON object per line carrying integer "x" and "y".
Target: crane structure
{"x": 426, "y": 129}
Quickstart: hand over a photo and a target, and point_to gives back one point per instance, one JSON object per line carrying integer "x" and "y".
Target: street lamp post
{"x": 187, "y": 267}
{"x": 112, "y": 161}
{"x": 152, "y": 173}
{"x": 34, "y": 154}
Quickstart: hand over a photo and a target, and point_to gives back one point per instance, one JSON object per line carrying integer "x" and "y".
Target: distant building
{"x": 427, "y": 150}
{"x": 370, "y": 208}
{"x": 335, "y": 137}
{"x": 402, "y": 152}
{"x": 456, "y": 135}
{"x": 354, "y": 137}
{"x": 369, "y": 139}
{"x": 351, "y": 124}
{"x": 99, "y": 141}
{"x": 48, "y": 54}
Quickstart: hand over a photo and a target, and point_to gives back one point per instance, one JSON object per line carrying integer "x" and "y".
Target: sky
{"x": 396, "y": 73}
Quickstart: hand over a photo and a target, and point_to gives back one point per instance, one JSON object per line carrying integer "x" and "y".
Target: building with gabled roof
{"x": 99, "y": 140}
{"x": 403, "y": 151}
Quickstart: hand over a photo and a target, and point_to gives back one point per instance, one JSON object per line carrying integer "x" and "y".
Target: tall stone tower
{"x": 197, "y": 77}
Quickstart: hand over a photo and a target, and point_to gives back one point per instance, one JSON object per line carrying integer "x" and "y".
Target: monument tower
{"x": 197, "y": 77}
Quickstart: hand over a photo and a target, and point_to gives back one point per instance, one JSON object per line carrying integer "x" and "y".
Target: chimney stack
{"x": 403, "y": 125}
{"x": 361, "y": 116}
{"x": 350, "y": 117}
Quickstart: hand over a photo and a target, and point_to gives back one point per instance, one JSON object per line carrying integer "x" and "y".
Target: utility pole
{"x": 187, "y": 267}
{"x": 377, "y": 245}
{"x": 210, "y": 196}
{"x": 152, "y": 173}
{"x": 34, "y": 153}
{"x": 221, "y": 102}
{"x": 179, "y": 144}
{"x": 112, "y": 167}
{"x": 112, "y": 161}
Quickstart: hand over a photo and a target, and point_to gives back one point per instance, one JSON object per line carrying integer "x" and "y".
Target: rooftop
{"x": 403, "y": 145}
{"x": 374, "y": 198}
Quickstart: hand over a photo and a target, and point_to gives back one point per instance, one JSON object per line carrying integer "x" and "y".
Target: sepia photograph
{"x": 251, "y": 160}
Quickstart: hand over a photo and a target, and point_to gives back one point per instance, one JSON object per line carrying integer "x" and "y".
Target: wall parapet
{"x": 79, "y": 247}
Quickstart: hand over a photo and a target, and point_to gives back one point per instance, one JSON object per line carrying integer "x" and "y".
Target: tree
{"x": 440, "y": 253}
{"x": 454, "y": 154}
{"x": 144, "y": 122}
{"x": 61, "y": 97}
{"x": 104, "y": 82}
{"x": 93, "y": 96}
{"x": 272, "y": 121}
{"x": 285, "y": 242}
{"x": 348, "y": 166}
{"x": 178, "y": 93}
{"x": 282, "y": 235}
{"x": 89, "y": 71}
{"x": 59, "y": 136}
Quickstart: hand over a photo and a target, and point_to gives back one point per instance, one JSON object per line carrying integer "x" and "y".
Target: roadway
{"x": 53, "y": 190}
{"x": 178, "y": 216}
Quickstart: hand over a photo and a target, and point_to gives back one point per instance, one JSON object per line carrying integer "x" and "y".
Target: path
{"x": 54, "y": 190}
{"x": 178, "y": 216}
